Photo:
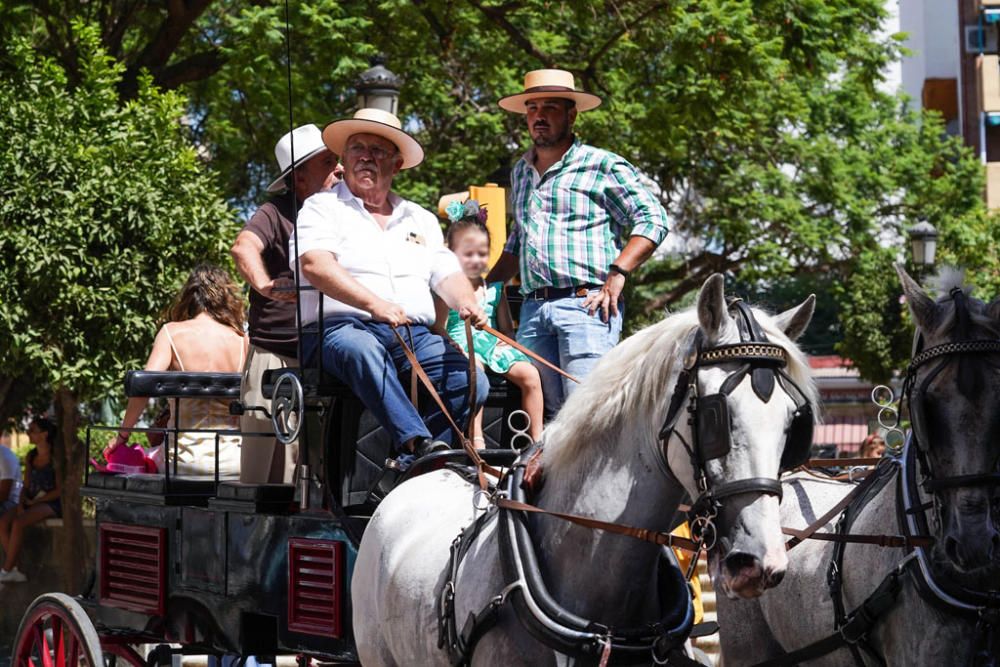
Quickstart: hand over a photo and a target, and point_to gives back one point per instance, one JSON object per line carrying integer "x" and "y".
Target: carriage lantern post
{"x": 923, "y": 242}
{"x": 378, "y": 87}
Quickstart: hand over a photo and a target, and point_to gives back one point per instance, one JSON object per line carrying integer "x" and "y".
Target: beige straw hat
{"x": 377, "y": 122}
{"x": 549, "y": 83}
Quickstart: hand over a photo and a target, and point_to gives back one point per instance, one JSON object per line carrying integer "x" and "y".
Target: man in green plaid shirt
{"x": 583, "y": 222}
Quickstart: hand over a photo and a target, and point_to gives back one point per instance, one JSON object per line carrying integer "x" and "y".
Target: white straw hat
{"x": 308, "y": 142}
{"x": 542, "y": 83}
{"x": 377, "y": 122}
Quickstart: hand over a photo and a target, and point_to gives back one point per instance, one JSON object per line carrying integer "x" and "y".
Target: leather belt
{"x": 549, "y": 293}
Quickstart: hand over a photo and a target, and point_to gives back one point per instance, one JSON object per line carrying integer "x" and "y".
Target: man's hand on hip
{"x": 606, "y": 299}
{"x": 391, "y": 313}
{"x": 474, "y": 315}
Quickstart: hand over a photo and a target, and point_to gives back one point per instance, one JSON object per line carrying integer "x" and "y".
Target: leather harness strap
{"x": 853, "y": 538}
{"x": 809, "y": 530}
{"x": 858, "y": 625}
{"x": 520, "y": 348}
{"x": 842, "y": 463}
{"x": 481, "y": 466}
{"x": 654, "y": 536}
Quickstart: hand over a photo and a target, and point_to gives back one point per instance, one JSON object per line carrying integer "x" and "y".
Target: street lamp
{"x": 923, "y": 239}
{"x": 378, "y": 87}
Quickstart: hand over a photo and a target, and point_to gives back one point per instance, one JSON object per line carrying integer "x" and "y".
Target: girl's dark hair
{"x": 209, "y": 289}
{"x": 45, "y": 424}
{"x": 465, "y": 224}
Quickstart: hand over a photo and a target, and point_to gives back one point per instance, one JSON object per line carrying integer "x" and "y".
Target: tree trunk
{"x": 70, "y": 461}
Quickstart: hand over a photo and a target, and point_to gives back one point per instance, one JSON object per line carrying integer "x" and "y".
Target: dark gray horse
{"x": 956, "y": 411}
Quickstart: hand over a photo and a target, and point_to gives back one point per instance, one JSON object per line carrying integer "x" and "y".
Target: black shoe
{"x": 425, "y": 446}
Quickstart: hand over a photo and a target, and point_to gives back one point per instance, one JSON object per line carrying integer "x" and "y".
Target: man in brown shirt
{"x": 261, "y": 254}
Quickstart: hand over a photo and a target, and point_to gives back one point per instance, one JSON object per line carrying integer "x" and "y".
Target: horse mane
{"x": 630, "y": 387}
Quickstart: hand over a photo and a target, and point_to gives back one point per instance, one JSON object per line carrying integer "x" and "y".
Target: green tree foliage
{"x": 106, "y": 206}
{"x": 762, "y": 123}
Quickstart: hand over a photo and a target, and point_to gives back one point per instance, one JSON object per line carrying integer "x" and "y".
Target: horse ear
{"x": 795, "y": 320}
{"x": 712, "y": 312}
{"x": 921, "y": 305}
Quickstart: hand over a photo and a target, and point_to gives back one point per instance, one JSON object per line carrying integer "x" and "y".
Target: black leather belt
{"x": 549, "y": 293}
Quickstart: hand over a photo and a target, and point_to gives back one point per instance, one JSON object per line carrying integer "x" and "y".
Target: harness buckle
{"x": 853, "y": 638}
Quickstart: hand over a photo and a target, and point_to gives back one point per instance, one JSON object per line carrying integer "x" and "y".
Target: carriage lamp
{"x": 378, "y": 87}
{"x": 923, "y": 240}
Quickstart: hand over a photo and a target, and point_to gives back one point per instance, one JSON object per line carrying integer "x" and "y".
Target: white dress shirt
{"x": 401, "y": 263}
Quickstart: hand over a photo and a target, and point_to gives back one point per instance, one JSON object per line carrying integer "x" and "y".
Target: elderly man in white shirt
{"x": 375, "y": 258}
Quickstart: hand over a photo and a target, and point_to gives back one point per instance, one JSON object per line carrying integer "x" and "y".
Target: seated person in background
{"x": 469, "y": 239}
{"x": 10, "y": 476}
{"x": 375, "y": 258}
{"x": 261, "y": 255}
{"x": 39, "y": 498}
{"x": 203, "y": 332}
{"x": 872, "y": 447}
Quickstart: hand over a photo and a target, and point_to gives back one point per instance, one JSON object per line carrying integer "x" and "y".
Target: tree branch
{"x": 602, "y": 50}
{"x": 194, "y": 68}
{"x": 181, "y": 15}
{"x": 694, "y": 273}
{"x": 443, "y": 34}
{"x": 498, "y": 16}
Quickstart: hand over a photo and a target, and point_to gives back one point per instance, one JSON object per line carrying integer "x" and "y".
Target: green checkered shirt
{"x": 572, "y": 222}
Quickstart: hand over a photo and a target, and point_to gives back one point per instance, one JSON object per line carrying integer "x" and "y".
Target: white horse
{"x": 601, "y": 459}
{"x": 962, "y": 423}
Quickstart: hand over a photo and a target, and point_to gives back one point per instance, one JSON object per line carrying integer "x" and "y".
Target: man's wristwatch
{"x": 617, "y": 269}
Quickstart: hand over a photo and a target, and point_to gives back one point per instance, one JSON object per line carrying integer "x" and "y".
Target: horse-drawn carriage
{"x": 221, "y": 567}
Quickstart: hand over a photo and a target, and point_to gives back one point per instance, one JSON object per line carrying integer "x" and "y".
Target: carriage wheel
{"x": 56, "y": 632}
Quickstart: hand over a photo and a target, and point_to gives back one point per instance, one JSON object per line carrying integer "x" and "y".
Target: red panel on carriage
{"x": 133, "y": 567}
{"x": 315, "y": 586}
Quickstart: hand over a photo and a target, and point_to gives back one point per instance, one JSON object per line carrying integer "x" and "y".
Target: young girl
{"x": 469, "y": 239}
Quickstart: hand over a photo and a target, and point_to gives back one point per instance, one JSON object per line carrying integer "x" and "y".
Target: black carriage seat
{"x": 356, "y": 468}
{"x": 182, "y": 384}
{"x": 175, "y": 489}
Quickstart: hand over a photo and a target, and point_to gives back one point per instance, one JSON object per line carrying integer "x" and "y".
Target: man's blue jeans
{"x": 367, "y": 357}
{"x": 561, "y": 331}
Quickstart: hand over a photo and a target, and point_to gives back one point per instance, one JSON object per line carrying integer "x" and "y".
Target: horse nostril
{"x": 775, "y": 578}
{"x": 736, "y": 562}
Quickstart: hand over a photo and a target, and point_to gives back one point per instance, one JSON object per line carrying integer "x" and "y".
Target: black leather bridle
{"x": 764, "y": 362}
{"x": 915, "y": 397}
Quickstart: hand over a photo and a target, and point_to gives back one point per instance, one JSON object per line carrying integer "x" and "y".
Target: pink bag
{"x": 125, "y": 459}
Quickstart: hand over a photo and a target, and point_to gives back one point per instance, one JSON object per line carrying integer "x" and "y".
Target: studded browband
{"x": 960, "y": 347}
{"x": 746, "y": 352}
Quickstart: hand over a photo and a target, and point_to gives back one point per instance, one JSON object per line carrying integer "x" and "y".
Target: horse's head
{"x": 954, "y": 399}
{"x": 749, "y": 414}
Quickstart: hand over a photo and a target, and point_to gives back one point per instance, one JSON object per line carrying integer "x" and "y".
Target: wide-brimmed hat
{"x": 307, "y": 142}
{"x": 377, "y": 122}
{"x": 542, "y": 83}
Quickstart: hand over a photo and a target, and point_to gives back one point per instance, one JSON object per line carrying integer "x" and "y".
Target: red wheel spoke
{"x": 46, "y": 649}
{"x": 38, "y": 640}
{"x": 59, "y": 639}
{"x": 74, "y": 653}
